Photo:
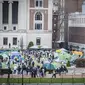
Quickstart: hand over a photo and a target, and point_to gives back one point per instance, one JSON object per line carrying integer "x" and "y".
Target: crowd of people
{"x": 28, "y": 66}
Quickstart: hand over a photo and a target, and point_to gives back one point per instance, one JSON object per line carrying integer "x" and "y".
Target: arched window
{"x": 38, "y": 21}
{"x": 38, "y": 16}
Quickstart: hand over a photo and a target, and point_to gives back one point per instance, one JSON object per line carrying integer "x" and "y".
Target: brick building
{"x": 77, "y": 30}
{"x": 65, "y": 8}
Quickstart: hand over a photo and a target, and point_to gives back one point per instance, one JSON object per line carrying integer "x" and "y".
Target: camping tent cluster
{"x": 61, "y": 56}
{"x": 11, "y": 56}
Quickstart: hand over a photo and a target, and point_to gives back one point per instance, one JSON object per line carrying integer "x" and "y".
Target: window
{"x": 15, "y": 12}
{"x": 14, "y": 41}
{"x": 54, "y": 18}
{"x": 38, "y": 41}
{"x": 54, "y": 25}
{"x": 5, "y": 28}
{"x": 14, "y": 28}
{"x": 38, "y": 21}
{"x": 5, "y": 10}
{"x": 38, "y": 26}
{"x": 5, "y": 41}
{"x": 38, "y": 16}
{"x": 38, "y": 3}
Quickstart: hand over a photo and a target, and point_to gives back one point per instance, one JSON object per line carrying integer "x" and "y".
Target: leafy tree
{"x": 68, "y": 64}
{"x": 30, "y": 44}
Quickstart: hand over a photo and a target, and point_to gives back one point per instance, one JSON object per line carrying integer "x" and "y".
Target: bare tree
{"x": 62, "y": 8}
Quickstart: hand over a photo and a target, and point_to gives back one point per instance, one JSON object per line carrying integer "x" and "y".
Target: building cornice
{"x": 13, "y": 31}
{"x": 39, "y": 8}
{"x": 40, "y": 31}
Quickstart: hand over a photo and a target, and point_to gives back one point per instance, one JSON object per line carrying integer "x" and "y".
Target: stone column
{"x": 10, "y": 15}
{"x": 1, "y": 15}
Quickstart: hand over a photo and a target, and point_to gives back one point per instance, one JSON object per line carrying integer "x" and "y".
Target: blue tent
{"x": 49, "y": 66}
{"x": 1, "y": 51}
{"x": 15, "y": 54}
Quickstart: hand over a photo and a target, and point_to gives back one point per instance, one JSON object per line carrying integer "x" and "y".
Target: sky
{"x": 83, "y": 7}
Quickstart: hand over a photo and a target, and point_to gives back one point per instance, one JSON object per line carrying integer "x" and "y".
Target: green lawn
{"x": 43, "y": 80}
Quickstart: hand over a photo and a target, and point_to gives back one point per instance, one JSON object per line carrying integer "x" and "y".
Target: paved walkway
{"x": 72, "y": 72}
{"x": 47, "y": 76}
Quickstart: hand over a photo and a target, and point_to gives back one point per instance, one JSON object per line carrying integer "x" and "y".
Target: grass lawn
{"x": 43, "y": 80}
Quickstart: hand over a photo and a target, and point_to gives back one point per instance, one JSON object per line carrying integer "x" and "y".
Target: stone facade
{"x": 45, "y": 3}
{"x": 45, "y": 34}
{"x": 25, "y": 26}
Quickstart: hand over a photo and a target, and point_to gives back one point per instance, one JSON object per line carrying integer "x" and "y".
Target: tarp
{"x": 77, "y": 53}
{"x": 49, "y": 66}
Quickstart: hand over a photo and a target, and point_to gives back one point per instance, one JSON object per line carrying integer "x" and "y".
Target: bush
{"x": 30, "y": 44}
{"x": 68, "y": 64}
{"x": 39, "y": 46}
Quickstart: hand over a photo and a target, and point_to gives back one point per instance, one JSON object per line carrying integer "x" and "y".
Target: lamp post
{"x": 18, "y": 44}
{"x": 21, "y": 45}
{"x": 22, "y": 66}
{"x": 22, "y": 73}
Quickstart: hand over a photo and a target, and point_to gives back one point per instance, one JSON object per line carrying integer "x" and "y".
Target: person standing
{"x": 0, "y": 64}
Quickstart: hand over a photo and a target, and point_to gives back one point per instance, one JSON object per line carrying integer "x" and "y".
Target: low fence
{"x": 74, "y": 75}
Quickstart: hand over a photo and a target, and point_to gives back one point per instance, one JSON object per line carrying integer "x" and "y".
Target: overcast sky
{"x": 83, "y": 7}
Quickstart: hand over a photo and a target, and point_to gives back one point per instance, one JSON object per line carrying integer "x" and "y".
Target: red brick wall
{"x": 32, "y": 3}
{"x": 45, "y": 3}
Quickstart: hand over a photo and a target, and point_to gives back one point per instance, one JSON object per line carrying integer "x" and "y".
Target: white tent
{"x": 34, "y": 47}
{"x": 55, "y": 54}
{"x": 62, "y": 49}
{"x": 57, "y": 60}
{"x": 60, "y": 41}
{"x": 46, "y": 62}
{"x": 45, "y": 47}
